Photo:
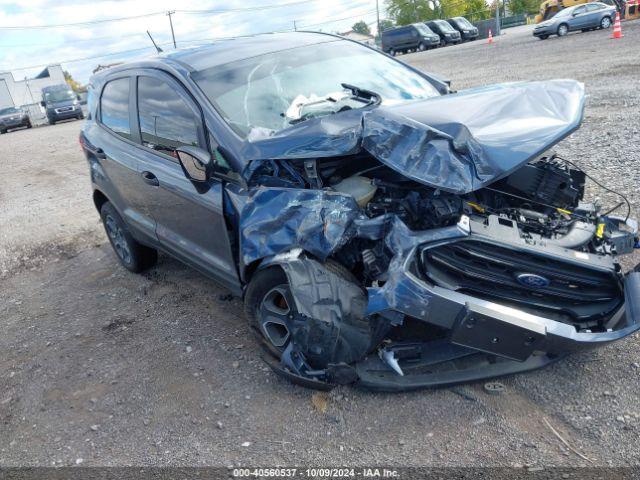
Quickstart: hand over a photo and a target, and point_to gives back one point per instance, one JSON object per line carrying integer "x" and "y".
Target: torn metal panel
{"x": 275, "y": 220}
{"x": 464, "y": 141}
{"x": 458, "y": 143}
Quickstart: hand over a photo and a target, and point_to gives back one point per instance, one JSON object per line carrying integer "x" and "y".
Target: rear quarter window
{"x": 114, "y": 107}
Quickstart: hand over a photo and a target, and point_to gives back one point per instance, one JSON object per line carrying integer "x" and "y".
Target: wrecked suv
{"x": 382, "y": 230}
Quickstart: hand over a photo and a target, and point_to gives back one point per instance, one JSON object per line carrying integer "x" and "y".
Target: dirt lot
{"x": 102, "y": 367}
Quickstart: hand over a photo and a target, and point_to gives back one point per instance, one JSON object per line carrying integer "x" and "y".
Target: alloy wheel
{"x": 274, "y": 312}
{"x": 116, "y": 234}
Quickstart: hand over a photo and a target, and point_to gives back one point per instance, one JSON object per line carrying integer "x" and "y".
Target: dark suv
{"x": 12, "y": 117}
{"x": 381, "y": 230}
{"x": 410, "y": 37}
{"x": 467, "y": 30}
{"x": 448, "y": 34}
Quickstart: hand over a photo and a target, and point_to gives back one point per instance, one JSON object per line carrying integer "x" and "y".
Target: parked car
{"x": 381, "y": 230}
{"x": 61, "y": 103}
{"x": 467, "y": 30}
{"x": 410, "y": 37}
{"x": 589, "y": 16}
{"x": 446, "y": 32}
{"x": 12, "y": 117}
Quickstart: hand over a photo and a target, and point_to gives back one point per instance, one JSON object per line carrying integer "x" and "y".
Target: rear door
{"x": 190, "y": 222}
{"x": 594, "y": 11}
{"x": 578, "y": 18}
{"x": 114, "y": 153}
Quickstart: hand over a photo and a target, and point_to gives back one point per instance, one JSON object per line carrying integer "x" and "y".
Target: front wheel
{"x": 422, "y": 47}
{"x": 563, "y": 30}
{"x": 269, "y": 306}
{"x": 134, "y": 256}
{"x": 605, "y": 22}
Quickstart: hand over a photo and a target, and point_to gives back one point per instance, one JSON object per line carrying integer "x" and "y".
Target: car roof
{"x": 226, "y": 50}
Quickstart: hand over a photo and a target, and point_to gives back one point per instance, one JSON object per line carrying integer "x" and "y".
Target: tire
{"x": 422, "y": 47}
{"x": 269, "y": 288}
{"x": 134, "y": 256}
{"x": 392, "y": 52}
{"x": 605, "y": 22}
{"x": 543, "y": 37}
{"x": 29, "y": 125}
{"x": 3, "y": 131}
{"x": 81, "y": 116}
{"x": 563, "y": 30}
{"x": 52, "y": 121}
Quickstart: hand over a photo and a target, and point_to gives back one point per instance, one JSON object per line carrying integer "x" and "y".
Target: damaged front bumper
{"x": 502, "y": 332}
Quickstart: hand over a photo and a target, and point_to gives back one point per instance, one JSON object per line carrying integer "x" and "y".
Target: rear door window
{"x": 166, "y": 120}
{"x": 114, "y": 107}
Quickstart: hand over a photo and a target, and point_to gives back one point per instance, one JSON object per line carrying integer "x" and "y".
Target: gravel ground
{"x": 102, "y": 367}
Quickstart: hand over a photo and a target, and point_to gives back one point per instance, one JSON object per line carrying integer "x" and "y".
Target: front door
{"x": 189, "y": 222}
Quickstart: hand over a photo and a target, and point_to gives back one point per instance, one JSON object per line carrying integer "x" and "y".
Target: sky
{"x": 26, "y": 51}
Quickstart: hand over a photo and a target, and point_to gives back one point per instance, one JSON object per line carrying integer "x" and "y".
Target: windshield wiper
{"x": 358, "y": 92}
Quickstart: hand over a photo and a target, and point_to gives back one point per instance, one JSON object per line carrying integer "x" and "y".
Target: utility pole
{"x": 295, "y": 27}
{"x": 171, "y": 23}
{"x": 378, "y": 20}
{"x": 497, "y": 17}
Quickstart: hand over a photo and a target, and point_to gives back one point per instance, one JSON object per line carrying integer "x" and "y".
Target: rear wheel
{"x": 29, "y": 125}
{"x": 605, "y": 22}
{"x": 563, "y": 30}
{"x": 543, "y": 37}
{"x": 392, "y": 52}
{"x": 132, "y": 255}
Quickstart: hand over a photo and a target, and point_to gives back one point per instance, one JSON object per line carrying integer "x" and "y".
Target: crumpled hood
{"x": 458, "y": 142}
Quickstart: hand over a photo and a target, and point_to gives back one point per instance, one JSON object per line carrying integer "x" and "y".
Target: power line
{"x": 72, "y": 42}
{"x": 247, "y": 9}
{"x": 89, "y": 22}
{"x": 125, "y": 52}
{"x": 120, "y": 19}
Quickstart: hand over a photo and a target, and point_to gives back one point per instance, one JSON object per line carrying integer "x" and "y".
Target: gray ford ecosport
{"x": 382, "y": 230}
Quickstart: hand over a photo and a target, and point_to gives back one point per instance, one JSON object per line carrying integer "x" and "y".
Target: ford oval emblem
{"x": 532, "y": 280}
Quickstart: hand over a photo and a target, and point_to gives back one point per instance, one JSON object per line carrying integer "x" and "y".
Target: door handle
{"x": 150, "y": 178}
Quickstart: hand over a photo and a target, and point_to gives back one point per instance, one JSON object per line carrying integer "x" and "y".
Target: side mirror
{"x": 196, "y": 162}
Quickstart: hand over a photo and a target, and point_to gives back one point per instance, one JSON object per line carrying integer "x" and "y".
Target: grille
{"x": 572, "y": 293}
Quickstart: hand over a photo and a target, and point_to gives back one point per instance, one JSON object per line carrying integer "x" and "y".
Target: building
{"x": 27, "y": 93}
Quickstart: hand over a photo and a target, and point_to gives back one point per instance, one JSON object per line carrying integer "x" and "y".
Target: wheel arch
{"x": 99, "y": 199}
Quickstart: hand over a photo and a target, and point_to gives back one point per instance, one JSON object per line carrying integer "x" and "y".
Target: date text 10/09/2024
{"x": 316, "y": 472}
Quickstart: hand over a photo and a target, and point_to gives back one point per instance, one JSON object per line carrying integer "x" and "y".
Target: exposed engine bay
{"x": 543, "y": 198}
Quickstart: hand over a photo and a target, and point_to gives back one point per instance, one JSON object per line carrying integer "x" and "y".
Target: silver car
{"x": 581, "y": 17}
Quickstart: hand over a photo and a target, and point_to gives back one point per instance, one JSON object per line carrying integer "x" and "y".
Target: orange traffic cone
{"x": 490, "y": 41}
{"x": 617, "y": 28}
